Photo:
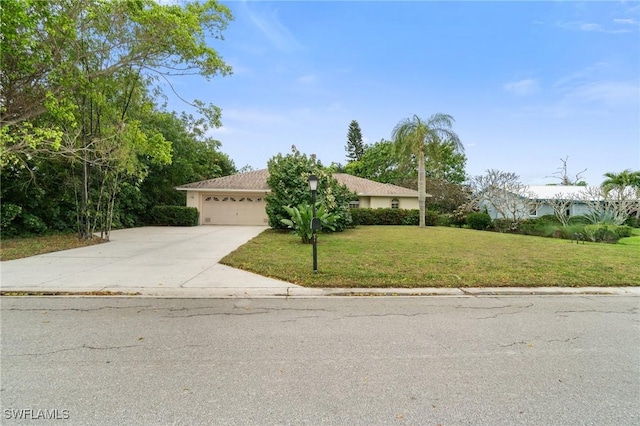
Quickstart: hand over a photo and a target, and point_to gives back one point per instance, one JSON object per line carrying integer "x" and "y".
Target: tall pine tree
{"x": 355, "y": 147}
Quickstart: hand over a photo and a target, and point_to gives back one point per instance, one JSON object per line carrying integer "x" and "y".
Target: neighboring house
{"x": 543, "y": 200}
{"x": 240, "y": 199}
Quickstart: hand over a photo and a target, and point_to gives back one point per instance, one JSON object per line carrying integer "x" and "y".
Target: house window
{"x": 395, "y": 203}
{"x": 207, "y": 199}
{"x": 533, "y": 211}
{"x": 354, "y": 204}
{"x": 567, "y": 212}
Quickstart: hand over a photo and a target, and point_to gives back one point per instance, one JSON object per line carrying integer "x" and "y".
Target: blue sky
{"x": 528, "y": 83}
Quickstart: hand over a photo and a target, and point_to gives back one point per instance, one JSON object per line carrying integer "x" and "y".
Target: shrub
{"x": 174, "y": 216}
{"x": 479, "y": 221}
{"x": 601, "y": 233}
{"x": 444, "y": 219}
{"x": 431, "y": 218}
{"x": 506, "y": 225}
{"x": 33, "y": 224}
{"x": 302, "y": 216}
{"x": 633, "y": 222}
{"x": 8, "y": 213}
{"x": 623, "y": 231}
{"x": 388, "y": 216}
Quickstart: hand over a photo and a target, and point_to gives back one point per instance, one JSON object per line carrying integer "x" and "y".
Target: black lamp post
{"x": 315, "y": 222}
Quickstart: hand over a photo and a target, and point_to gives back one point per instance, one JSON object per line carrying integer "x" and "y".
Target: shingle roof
{"x": 368, "y": 187}
{"x": 257, "y": 181}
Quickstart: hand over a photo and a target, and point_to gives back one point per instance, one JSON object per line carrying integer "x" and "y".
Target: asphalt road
{"x": 554, "y": 360}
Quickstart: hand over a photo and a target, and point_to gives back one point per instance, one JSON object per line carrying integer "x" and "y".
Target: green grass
{"x": 402, "y": 256}
{"x": 17, "y": 248}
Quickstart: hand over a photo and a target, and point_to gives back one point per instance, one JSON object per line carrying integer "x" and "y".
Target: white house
{"x": 537, "y": 201}
{"x": 240, "y": 199}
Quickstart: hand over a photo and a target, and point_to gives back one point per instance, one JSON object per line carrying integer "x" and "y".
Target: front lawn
{"x": 17, "y": 248}
{"x": 404, "y": 256}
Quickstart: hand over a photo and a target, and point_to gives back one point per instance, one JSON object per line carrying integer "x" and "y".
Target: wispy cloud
{"x": 628, "y": 21}
{"x": 607, "y": 93}
{"x": 590, "y": 27}
{"x": 268, "y": 22}
{"x": 307, "y": 79}
{"x": 522, "y": 87}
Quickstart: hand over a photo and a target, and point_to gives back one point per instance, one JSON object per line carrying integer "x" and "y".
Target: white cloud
{"x": 522, "y": 87}
{"x": 626, "y": 21}
{"x": 588, "y": 27}
{"x": 270, "y": 25}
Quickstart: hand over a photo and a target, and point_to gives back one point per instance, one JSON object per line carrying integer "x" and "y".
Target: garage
{"x": 233, "y": 209}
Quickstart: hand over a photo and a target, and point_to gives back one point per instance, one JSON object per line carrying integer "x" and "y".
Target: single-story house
{"x": 240, "y": 199}
{"x": 540, "y": 200}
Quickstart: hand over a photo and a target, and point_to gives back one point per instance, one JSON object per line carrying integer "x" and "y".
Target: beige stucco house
{"x": 240, "y": 199}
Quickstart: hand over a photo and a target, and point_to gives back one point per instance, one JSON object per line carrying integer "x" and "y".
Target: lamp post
{"x": 315, "y": 222}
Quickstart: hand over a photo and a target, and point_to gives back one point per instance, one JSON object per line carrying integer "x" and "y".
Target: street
{"x": 532, "y": 360}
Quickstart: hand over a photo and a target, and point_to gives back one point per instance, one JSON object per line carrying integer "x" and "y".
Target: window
{"x": 395, "y": 204}
{"x": 354, "y": 204}
{"x": 533, "y": 211}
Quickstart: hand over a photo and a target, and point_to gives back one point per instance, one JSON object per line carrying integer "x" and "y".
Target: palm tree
{"x": 622, "y": 180}
{"x": 414, "y": 136}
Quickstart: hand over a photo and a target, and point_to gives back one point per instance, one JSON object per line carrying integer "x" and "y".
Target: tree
{"x": 354, "y": 146}
{"x": 503, "y": 193}
{"x": 76, "y": 82}
{"x": 288, "y": 180}
{"x": 565, "y": 179}
{"x": 414, "y": 137}
{"x": 53, "y": 51}
{"x": 625, "y": 178}
{"x": 379, "y": 163}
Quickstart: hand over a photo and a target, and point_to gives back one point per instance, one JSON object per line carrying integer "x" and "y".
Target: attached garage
{"x": 232, "y": 209}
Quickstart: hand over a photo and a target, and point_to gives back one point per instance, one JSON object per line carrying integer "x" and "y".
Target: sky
{"x": 528, "y": 83}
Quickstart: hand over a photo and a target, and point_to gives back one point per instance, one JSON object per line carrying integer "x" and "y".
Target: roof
{"x": 257, "y": 181}
{"x": 250, "y": 181}
{"x": 365, "y": 187}
{"x": 545, "y": 192}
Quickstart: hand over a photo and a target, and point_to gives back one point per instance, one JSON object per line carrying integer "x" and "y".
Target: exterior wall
{"x": 365, "y": 202}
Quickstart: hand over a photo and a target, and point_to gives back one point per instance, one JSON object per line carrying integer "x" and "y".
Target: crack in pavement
{"x": 75, "y": 349}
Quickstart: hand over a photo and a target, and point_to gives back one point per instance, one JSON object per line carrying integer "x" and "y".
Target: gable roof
{"x": 257, "y": 181}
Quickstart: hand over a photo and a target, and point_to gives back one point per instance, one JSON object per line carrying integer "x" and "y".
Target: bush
{"x": 33, "y": 224}
{"x": 388, "y": 216}
{"x": 431, "y": 217}
{"x": 174, "y": 216}
{"x": 623, "y": 231}
{"x": 8, "y": 213}
{"x": 444, "y": 219}
{"x": 479, "y": 221}
{"x": 633, "y": 222}
{"x": 601, "y": 233}
{"x": 506, "y": 225}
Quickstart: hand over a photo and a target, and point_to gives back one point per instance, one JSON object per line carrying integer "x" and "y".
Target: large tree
{"x": 415, "y": 137}
{"x": 355, "y": 146}
{"x": 77, "y": 79}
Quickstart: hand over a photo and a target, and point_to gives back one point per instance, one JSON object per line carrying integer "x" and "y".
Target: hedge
{"x": 388, "y": 216}
{"x": 174, "y": 216}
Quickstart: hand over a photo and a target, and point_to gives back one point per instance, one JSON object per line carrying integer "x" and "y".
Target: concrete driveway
{"x": 171, "y": 261}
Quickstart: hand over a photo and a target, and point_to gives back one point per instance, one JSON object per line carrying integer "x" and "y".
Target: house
{"x": 240, "y": 199}
{"x": 536, "y": 201}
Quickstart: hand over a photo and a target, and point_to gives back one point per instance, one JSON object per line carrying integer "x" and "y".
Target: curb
{"x": 305, "y": 292}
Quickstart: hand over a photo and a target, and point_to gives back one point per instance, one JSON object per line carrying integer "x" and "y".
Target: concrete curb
{"x": 304, "y": 292}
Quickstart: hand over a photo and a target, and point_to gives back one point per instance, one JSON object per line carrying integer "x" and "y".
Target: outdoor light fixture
{"x": 313, "y": 183}
{"x": 315, "y": 222}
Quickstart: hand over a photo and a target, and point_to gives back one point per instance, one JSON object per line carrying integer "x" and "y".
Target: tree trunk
{"x": 421, "y": 187}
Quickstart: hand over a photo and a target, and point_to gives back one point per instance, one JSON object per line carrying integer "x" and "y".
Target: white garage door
{"x": 233, "y": 209}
